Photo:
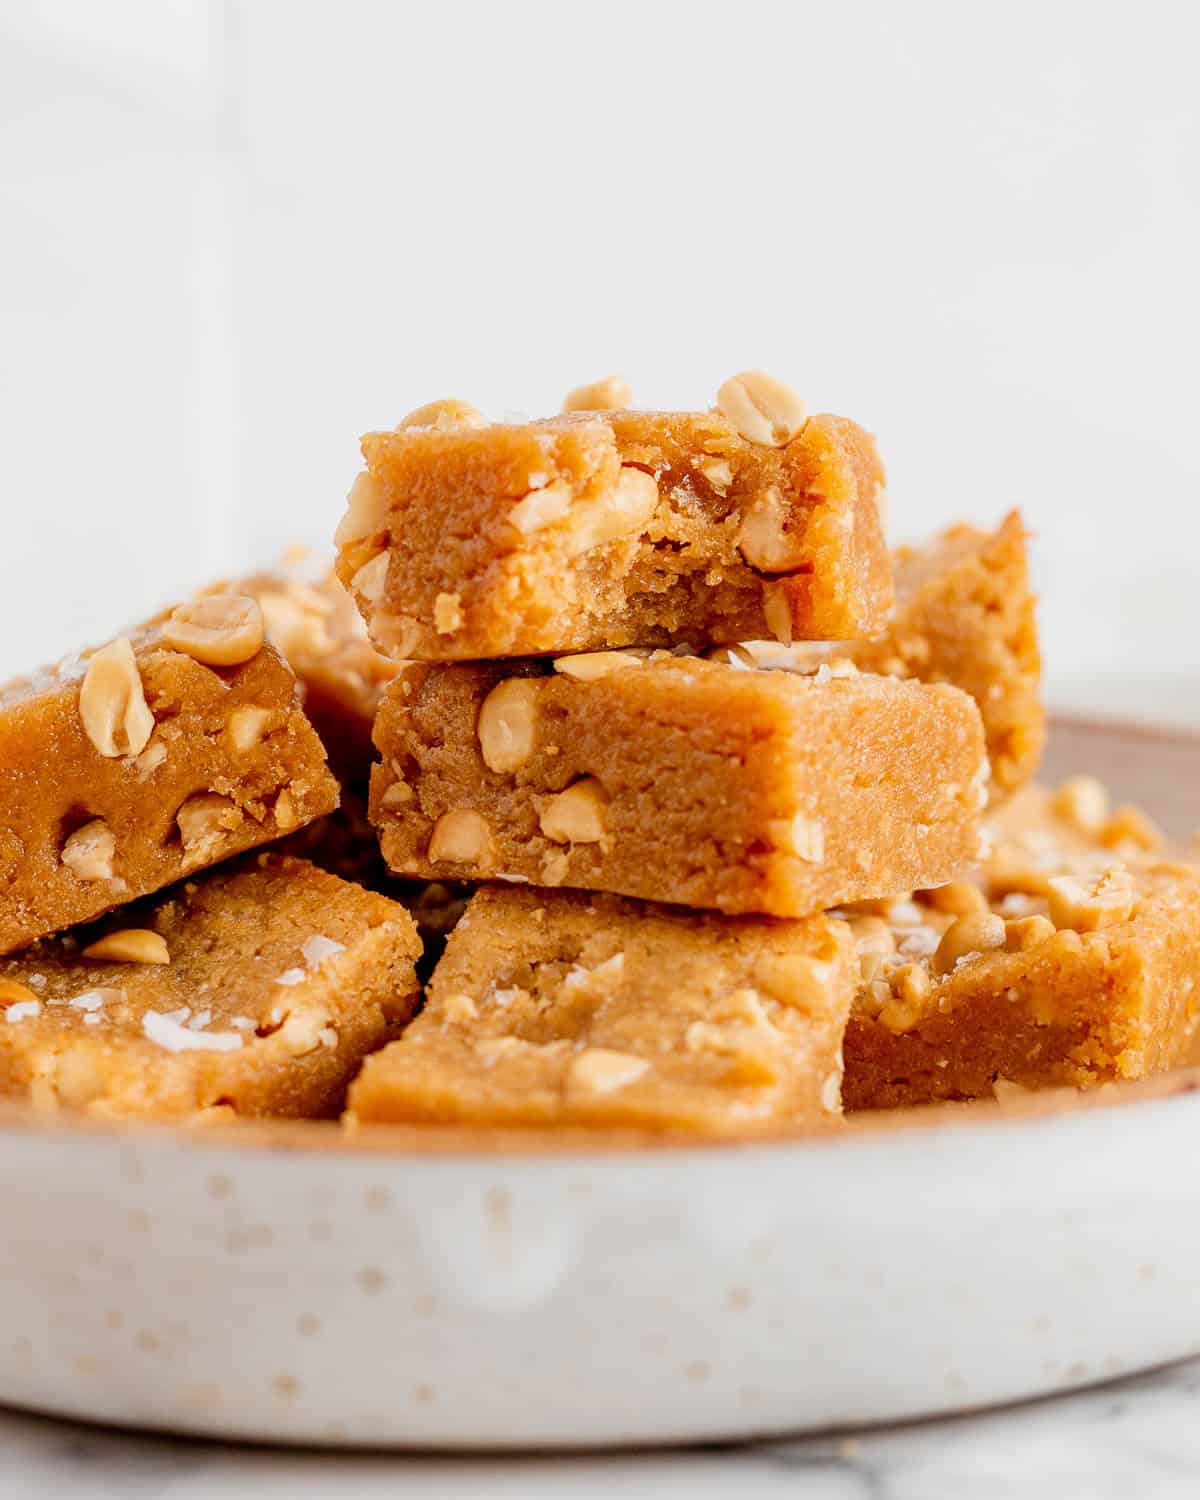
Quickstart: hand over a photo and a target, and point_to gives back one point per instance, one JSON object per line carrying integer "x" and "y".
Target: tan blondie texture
{"x": 259, "y": 991}
{"x": 345, "y": 844}
{"x": 1073, "y": 962}
{"x": 613, "y": 528}
{"x": 965, "y": 614}
{"x": 127, "y": 768}
{"x": 321, "y": 635}
{"x": 551, "y": 1008}
{"x": 677, "y": 779}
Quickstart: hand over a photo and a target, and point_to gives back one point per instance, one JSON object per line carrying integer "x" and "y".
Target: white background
{"x": 235, "y": 235}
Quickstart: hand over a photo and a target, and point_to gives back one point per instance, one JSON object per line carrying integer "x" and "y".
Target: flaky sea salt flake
{"x": 169, "y": 1034}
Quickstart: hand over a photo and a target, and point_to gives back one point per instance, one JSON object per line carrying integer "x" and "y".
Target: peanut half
{"x": 508, "y": 724}
{"x": 112, "y": 703}
{"x": 763, "y": 409}
{"x": 610, "y": 394}
{"x": 220, "y": 630}
{"x": 130, "y": 945}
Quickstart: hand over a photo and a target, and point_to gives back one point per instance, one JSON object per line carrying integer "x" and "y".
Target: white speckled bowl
{"x": 278, "y": 1283}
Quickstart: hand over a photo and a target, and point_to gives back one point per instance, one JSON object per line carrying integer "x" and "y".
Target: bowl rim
{"x": 323, "y": 1139}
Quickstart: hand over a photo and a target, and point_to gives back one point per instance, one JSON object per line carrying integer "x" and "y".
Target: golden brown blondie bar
{"x": 551, "y": 1008}
{"x": 965, "y": 615}
{"x": 677, "y": 779}
{"x": 157, "y": 755}
{"x": 1075, "y": 961}
{"x": 255, "y": 990}
{"x": 472, "y": 540}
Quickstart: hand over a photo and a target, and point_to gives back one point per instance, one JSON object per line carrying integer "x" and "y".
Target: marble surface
{"x": 1137, "y": 1437}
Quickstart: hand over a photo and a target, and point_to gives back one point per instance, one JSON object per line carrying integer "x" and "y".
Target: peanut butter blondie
{"x": 251, "y": 991}
{"x": 323, "y": 638}
{"x": 678, "y": 779}
{"x": 610, "y": 528}
{"x": 551, "y": 1008}
{"x": 1030, "y": 834}
{"x": 1074, "y": 961}
{"x": 157, "y": 755}
{"x": 965, "y": 614}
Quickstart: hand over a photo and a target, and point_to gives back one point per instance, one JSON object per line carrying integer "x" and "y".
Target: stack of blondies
{"x": 722, "y": 807}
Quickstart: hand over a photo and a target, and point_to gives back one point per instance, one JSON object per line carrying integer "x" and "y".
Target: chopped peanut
{"x": 1087, "y": 903}
{"x": 959, "y": 897}
{"x": 577, "y": 815}
{"x": 587, "y": 666}
{"x": 610, "y": 394}
{"x": 624, "y": 511}
{"x": 366, "y": 511}
{"x": 446, "y": 416}
{"x": 1027, "y": 932}
{"x": 1083, "y": 802}
{"x": 1129, "y": 828}
{"x": 89, "y": 851}
{"x": 600, "y": 1070}
{"x": 461, "y": 836}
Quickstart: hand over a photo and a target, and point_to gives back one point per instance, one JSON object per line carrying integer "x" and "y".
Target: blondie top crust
{"x": 604, "y": 529}
{"x": 680, "y": 780}
{"x": 255, "y": 990}
{"x": 551, "y": 1007}
{"x": 164, "y": 752}
{"x": 1073, "y": 962}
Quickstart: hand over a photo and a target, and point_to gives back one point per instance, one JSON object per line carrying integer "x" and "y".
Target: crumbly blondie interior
{"x": 465, "y": 539}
